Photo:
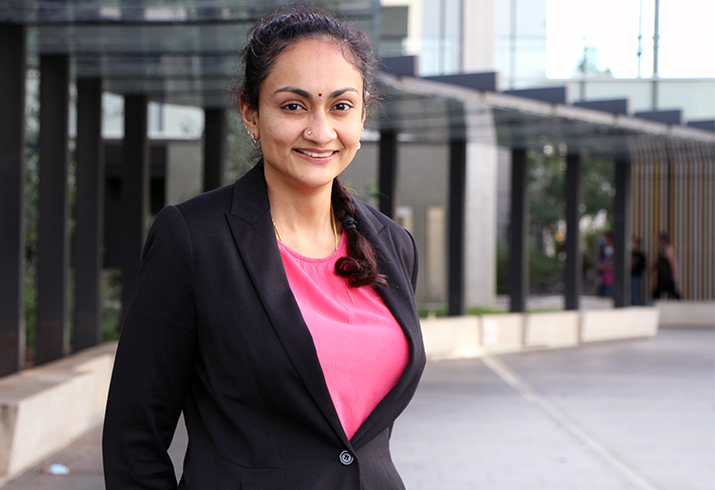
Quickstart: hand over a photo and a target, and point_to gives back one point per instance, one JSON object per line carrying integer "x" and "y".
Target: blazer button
{"x": 346, "y": 458}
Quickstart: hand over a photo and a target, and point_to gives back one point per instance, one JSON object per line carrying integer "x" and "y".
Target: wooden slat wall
{"x": 673, "y": 190}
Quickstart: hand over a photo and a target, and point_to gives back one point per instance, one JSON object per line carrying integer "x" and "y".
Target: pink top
{"x": 361, "y": 347}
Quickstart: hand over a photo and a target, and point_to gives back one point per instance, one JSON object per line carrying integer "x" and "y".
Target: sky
{"x": 687, "y": 37}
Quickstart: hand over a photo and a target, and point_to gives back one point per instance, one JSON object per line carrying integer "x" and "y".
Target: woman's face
{"x": 310, "y": 115}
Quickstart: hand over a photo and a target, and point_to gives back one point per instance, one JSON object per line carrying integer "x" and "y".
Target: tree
{"x": 588, "y": 63}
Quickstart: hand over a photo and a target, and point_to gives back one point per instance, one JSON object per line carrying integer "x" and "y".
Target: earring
{"x": 254, "y": 142}
{"x": 359, "y": 145}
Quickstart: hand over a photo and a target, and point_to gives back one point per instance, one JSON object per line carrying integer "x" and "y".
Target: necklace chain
{"x": 332, "y": 224}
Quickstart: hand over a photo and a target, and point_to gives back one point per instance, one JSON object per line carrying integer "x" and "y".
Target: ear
{"x": 364, "y": 107}
{"x": 250, "y": 117}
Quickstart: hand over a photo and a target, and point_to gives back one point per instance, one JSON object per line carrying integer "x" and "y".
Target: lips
{"x": 317, "y": 154}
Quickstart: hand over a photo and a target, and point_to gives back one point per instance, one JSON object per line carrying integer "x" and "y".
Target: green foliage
{"x": 502, "y": 267}
{"x": 240, "y": 155}
{"x": 545, "y": 273}
{"x": 547, "y": 178}
{"x": 589, "y": 64}
{"x": 111, "y": 303}
{"x": 431, "y": 312}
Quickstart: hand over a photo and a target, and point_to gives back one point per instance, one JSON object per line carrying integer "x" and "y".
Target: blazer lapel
{"x": 399, "y": 298}
{"x": 252, "y": 230}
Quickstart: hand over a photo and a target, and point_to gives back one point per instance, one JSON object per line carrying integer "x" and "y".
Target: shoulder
{"x": 212, "y": 203}
{"x": 395, "y": 244}
{"x": 381, "y": 224}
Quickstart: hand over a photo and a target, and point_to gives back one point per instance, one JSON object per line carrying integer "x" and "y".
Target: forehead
{"x": 317, "y": 63}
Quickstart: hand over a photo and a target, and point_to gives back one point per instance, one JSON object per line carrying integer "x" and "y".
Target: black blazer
{"x": 214, "y": 330}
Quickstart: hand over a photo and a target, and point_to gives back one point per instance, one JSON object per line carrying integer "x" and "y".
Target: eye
{"x": 292, "y": 107}
{"x": 342, "y": 106}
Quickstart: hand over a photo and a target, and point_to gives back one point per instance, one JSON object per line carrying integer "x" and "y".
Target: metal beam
{"x": 388, "y": 172}
{"x": 135, "y": 192}
{"x": 572, "y": 269}
{"x": 455, "y": 237}
{"x": 89, "y": 215}
{"x": 13, "y": 55}
{"x": 621, "y": 258}
{"x": 519, "y": 232}
{"x": 215, "y": 134}
{"x": 53, "y": 227}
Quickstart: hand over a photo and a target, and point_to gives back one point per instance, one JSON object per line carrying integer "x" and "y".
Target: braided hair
{"x": 266, "y": 41}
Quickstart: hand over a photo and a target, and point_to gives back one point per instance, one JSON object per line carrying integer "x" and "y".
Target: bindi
{"x": 320, "y": 95}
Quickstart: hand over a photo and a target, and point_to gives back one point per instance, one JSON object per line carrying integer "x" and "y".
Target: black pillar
{"x": 135, "y": 192}
{"x": 455, "y": 237}
{"x": 12, "y": 197}
{"x": 53, "y": 226}
{"x": 89, "y": 215}
{"x": 215, "y": 131}
{"x": 388, "y": 172}
{"x": 572, "y": 270}
{"x": 519, "y": 232}
{"x": 621, "y": 257}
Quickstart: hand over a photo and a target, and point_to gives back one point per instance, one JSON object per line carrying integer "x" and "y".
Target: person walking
{"x": 638, "y": 268}
{"x": 666, "y": 268}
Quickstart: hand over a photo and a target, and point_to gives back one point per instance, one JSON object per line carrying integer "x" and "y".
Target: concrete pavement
{"x": 636, "y": 415}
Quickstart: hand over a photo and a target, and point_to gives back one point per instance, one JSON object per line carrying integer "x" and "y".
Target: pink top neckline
{"x": 361, "y": 347}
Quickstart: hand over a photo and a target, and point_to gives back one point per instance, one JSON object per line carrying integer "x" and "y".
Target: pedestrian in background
{"x": 638, "y": 268}
{"x": 606, "y": 266}
{"x": 666, "y": 268}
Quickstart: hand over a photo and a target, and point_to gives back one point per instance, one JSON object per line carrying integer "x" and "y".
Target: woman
{"x": 666, "y": 268}
{"x": 278, "y": 313}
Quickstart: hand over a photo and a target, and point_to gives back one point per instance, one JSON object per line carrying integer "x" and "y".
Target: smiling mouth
{"x": 313, "y": 154}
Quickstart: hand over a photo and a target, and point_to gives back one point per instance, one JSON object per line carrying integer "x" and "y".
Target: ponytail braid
{"x": 359, "y": 267}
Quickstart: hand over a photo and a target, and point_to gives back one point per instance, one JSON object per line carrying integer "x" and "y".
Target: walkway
{"x": 627, "y": 415}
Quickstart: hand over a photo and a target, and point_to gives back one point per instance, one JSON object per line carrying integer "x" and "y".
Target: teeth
{"x": 316, "y": 155}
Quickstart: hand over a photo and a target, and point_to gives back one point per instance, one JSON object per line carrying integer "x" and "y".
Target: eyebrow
{"x": 307, "y": 95}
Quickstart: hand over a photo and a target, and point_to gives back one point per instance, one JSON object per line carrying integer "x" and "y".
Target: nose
{"x": 319, "y": 129}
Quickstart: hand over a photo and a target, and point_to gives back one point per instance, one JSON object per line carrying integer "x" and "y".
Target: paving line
{"x": 529, "y": 393}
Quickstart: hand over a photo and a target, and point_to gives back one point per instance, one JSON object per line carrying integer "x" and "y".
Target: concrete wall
{"x": 184, "y": 170}
{"x": 475, "y": 336}
{"x": 687, "y": 313}
{"x": 44, "y": 408}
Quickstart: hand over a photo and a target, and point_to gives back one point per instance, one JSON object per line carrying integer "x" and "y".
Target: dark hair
{"x": 289, "y": 25}
{"x": 266, "y": 41}
{"x": 665, "y": 237}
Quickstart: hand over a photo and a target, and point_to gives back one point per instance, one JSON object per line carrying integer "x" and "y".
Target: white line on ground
{"x": 609, "y": 457}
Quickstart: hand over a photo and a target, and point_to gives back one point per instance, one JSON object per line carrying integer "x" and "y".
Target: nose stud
{"x": 309, "y": 132}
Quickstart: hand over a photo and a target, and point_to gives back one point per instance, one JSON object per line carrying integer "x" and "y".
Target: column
{"x": 135, "y": 192}
{"x": 215, "y": 131}
{"x": 519, "y": 232}
{"x": 621, "y": 257}
{"x": 89, "y": 215}
{"x": 13, "y": 53}
{"x": 53, "y": 227}
{"x": 388, "y": 172}
{"x": 572, "y": 269}
{"x": 455, "y": 237}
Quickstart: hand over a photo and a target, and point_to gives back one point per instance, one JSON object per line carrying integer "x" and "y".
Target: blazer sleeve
{"x": 415, "y": 262}
{"x": 154, "y": 363}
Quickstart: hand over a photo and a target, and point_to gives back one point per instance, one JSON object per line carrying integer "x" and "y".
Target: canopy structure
{"x": 186, "y": 52}
{"x": 176, "y": 51}
{"x": 438, "y": 110}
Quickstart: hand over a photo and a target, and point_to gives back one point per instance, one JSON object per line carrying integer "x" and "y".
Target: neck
{"x": 304, "y": 221}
